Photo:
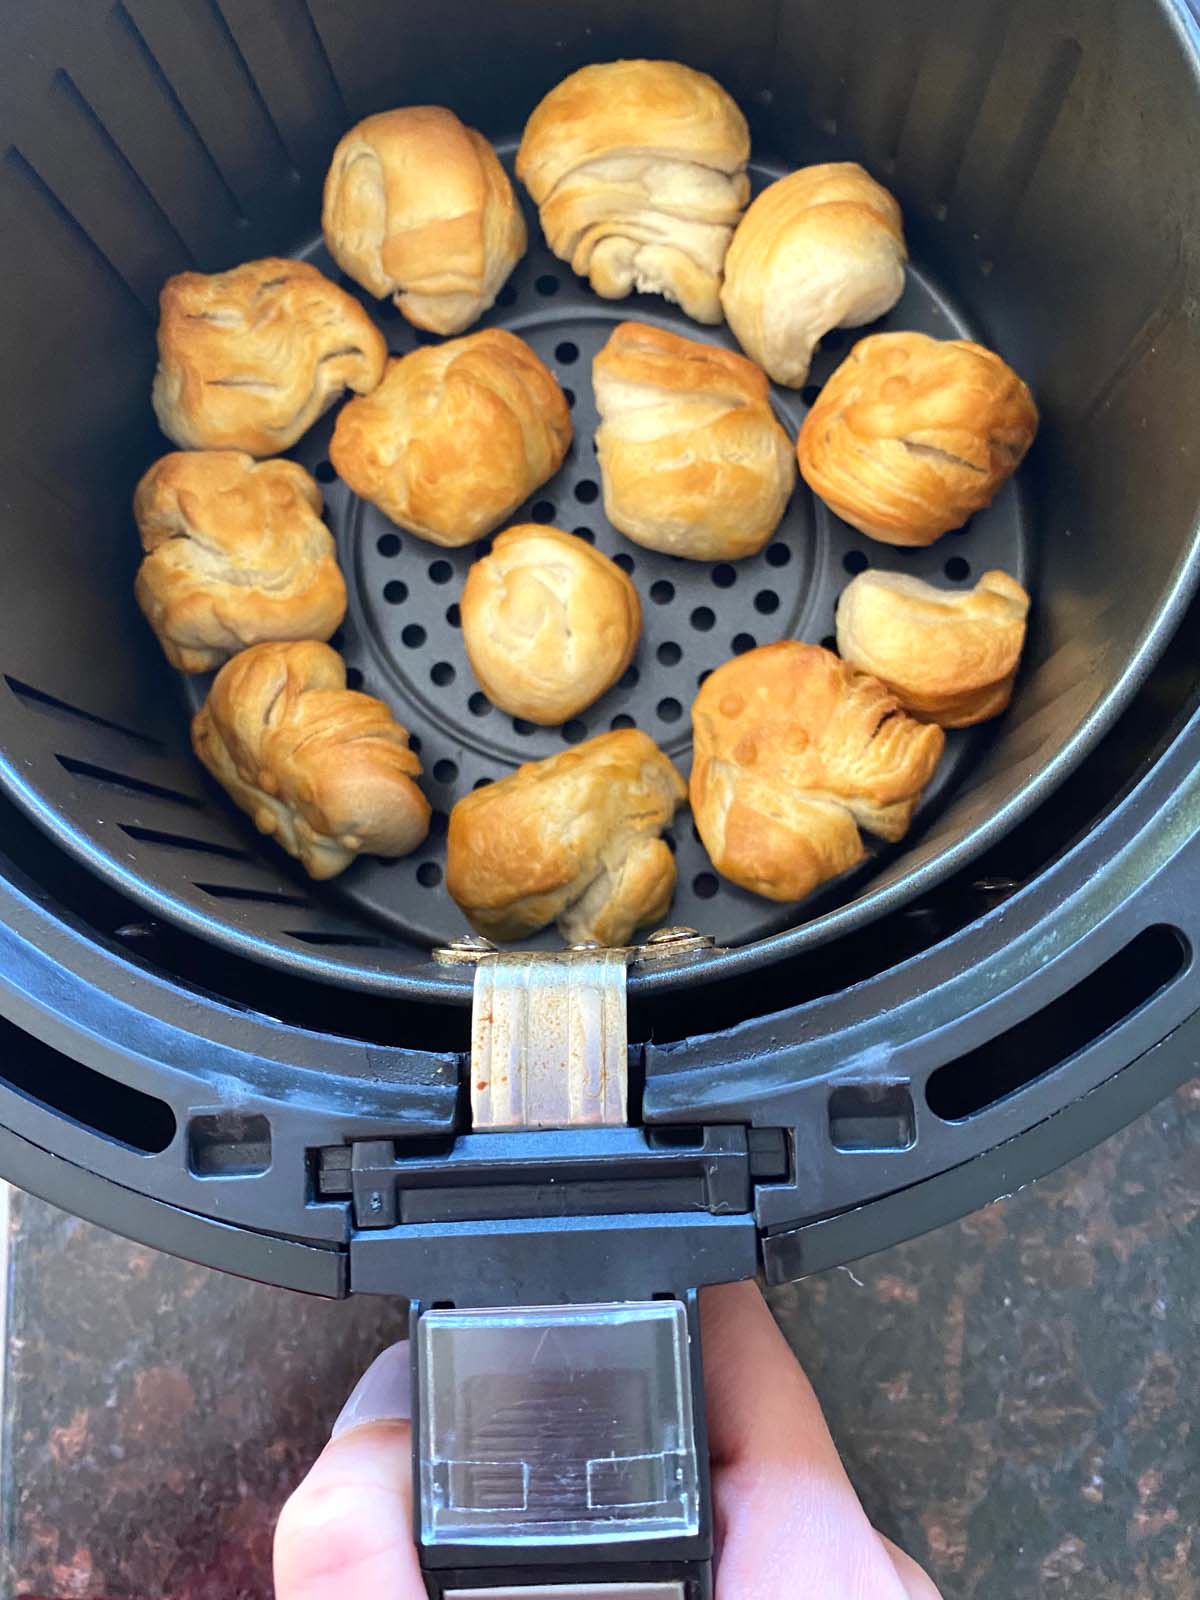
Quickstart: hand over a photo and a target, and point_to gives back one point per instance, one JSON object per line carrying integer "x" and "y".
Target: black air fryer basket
{"x": 206, "y": 1051}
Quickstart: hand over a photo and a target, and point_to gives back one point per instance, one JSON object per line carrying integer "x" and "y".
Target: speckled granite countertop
{"x": 1017, "y": 1396}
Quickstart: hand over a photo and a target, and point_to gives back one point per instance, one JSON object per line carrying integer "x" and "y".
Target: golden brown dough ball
{"x": 912, "y": 435}
{"x": 549, "y": 624}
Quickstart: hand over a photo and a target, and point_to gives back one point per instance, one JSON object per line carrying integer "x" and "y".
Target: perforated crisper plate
{"x": 402, "y": 638}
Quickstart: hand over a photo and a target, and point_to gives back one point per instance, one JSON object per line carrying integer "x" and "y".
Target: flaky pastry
{"x": 455, "y": 437}
{"x": 549, "y": 623}
{"x": 324, "y": 770}
{"x": 236, "y": 553}
{"x": 418, "y": 206}
{"x": 249, "y": 359}
{"x": 692, "y": 459}
{"x": 819, "y": 249}
{"x": 948, "y": 658}
{"x": 573, "y": 839}
{"x": 638, "y": 169}
{"x": 912, "y": 435}
{"x": 794, "y": 751}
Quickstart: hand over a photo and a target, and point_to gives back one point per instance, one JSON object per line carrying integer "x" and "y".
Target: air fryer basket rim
{"x": 430, "y": 983}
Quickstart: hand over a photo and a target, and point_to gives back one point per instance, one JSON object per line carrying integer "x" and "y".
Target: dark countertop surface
{"x": 1017, "y": 1396}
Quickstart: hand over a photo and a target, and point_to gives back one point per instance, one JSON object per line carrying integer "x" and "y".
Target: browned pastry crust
{"x": 639, "y": 171}
{"x": 249, "y": 359}
{"x": 324, "y": 770}
{"x": 418, "y": 206}
{"x": 573, "y": 839}
{"x": 236, "y": 553}
{"x": 692, "y": 459}
{"x": 794, "y": 751}
{"x": 819, "y": 249}
{"x": 549, "y": 624}
{"x": 455, "y": 437}
{"x": 912, "y": 435}
{"x": 948, "y": 658}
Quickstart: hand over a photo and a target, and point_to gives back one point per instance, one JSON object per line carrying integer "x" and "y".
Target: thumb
{"x": 347, "y": 1530}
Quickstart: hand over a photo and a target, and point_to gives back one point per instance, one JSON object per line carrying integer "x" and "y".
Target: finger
{"x": 784, "y": 1508}
{"x": 346, "y": 1533}
{"x": 918, "y": 1585}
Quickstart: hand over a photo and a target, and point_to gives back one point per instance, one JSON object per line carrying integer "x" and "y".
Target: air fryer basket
{"x": 1047, "y": 179}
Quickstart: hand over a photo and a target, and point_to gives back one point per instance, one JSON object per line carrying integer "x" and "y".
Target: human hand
{"x": 784, "y": 1509}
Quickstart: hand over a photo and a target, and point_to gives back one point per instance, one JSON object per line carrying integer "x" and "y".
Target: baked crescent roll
{"x": 911, "y": 435}
{"x": 692, "y": 459}
{"x": 325, "y": 771}
{"x": 948, "y": 658}
{"x": 249, "y": 359}
{"x": 549, "y": 624}
{"x": 820, "y": 249}
{"x": 236, "y": 553}
{"x": 573, "y": 839}
{"x": 418, "y": 206}
{"x": 455, "y": 437}
{"x": 794, "y": 751}
{"x": 638, "y": 169}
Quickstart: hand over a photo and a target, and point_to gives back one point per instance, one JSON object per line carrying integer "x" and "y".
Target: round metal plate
{"x": 402, "y": 638}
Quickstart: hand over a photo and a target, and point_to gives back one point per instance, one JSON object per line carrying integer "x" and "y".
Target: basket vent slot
{"x": 1115, "y": 992}
{"x": 125, "y": 780}
{"x": 114, "y": 1110}
{"x": 181, "y": 841}
{"x": 229, "y": 1144}
{"x": 262, "y": 897}
{"x": 39, "y": 700}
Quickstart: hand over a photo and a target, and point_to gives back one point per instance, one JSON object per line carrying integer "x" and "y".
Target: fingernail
{"x": 382, "y": 1394}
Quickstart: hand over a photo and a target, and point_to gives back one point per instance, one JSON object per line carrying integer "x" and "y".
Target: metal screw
{"x": 667, "y": 942}
{"x": 586, "y": 944}
{"x": 466, "y": 948}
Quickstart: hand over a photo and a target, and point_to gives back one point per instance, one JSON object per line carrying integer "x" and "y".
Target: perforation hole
{"x": 855, "y": 561}
{"x": 574, "y": 730}
{"x": 482, "y": 783}
{"x": 704, "y": 885}
{"x": 546, "y": 284}
{"x": 439, "y": 825}
{"x": 724, "y": 576}
{"x": 414, "y": 743}
{"x": 442, "y": 673}
{"x": 567, "y": 352}
{"x": 668, "y": 653}
{"x": 388, "y": 544}
{"x": 429, "y": 874}
{"x": 413, "y": 636}
{"x": 585, "y": 534}
{"x": 483, "y": 549}
{"x": 622, "y": 720}
{"x": 766, "y": 602}
{"x": 324, "y": 472}
{"x": 743, "y": 642}
{"x": 956, "y": 569}
{"x": 703, "y": 677}
{"x": 395, "y": 591}
{"x": 778, "y": 555}
{"x": 542, "y": 511}
{"x": 629, "y": 678}
{"x": 454, "y": 615}
{"x": 702, "y": 619}
{"x": 624, "y": 560}
{"x": 479, "y": 705}
{"x": 587, "y": 490}
{"x": 522, "y": 727}
{"x": 440, "y": 572}
{"x": 669, "y": 710}
{"x": 569, "y": 397}
{"x": 507, "y": 296}
{"x": 445, "y": 771}
{"x": 662, "y": 592}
